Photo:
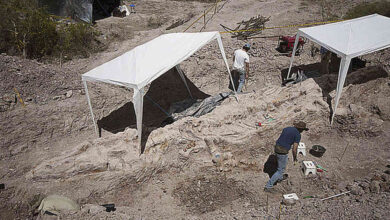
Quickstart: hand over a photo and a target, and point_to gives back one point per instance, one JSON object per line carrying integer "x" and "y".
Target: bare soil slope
{"x": 212, "y": 167}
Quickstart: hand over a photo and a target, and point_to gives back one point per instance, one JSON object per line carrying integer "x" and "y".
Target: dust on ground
{"x": 49, "y": 146}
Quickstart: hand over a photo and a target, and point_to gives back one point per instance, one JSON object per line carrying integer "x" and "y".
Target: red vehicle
{"x": 286, "y": 44}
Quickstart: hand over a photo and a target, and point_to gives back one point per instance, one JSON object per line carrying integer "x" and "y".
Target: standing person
{"x": 291, "y": 136}
{"x": 241, "y": 66}
{"x": 325, "y": 58}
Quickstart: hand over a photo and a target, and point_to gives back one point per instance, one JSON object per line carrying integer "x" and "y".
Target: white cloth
{"x": 145, "y": 63}
{"x": 240, "y": 58}
{"x": 348, "y": 39}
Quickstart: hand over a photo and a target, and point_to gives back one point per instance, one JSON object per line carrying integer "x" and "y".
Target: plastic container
{"x": 317, "y": 150}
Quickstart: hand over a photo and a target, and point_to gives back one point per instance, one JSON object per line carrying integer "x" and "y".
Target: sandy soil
{"x": 49, "y": 146}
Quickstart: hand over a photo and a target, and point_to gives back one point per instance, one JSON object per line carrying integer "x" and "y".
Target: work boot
{"x": 284, "y": 177}
{"x": 269, "y": 190}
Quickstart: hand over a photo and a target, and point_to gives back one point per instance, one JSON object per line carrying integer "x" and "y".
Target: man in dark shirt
{"x": 291, "y": 136}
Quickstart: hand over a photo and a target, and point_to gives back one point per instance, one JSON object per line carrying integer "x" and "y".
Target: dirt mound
{"x": 205, "y": 194}
{"x": 35, "y": 81}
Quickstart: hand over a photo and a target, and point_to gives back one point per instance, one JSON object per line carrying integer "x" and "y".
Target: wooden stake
{"x": 342, "y": 155}
{"x": 280, "y": 210}
{"x": 20, "y": 98}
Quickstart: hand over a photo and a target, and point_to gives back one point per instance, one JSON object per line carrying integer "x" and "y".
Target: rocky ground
{"x": 212, "y": 167}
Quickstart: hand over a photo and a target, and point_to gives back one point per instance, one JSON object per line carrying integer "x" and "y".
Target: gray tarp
{"x": 195, "y": 108}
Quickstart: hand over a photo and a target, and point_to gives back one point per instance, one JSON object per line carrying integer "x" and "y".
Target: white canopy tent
{"x": 140, "y": 66}
{"x": 348, "y": 39}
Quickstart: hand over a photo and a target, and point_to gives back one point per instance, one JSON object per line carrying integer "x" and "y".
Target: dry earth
{"x": 49, "y": 146}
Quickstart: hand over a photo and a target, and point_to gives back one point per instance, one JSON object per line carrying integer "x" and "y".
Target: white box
{"x": 301, "y": 148}
{"x": 309, "y": 167}
{"x": 291, "y": 196}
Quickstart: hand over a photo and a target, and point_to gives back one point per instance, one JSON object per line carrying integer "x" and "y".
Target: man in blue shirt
{"x": 291, "y": 136}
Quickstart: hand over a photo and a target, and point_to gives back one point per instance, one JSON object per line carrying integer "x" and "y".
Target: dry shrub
{"x": 27, "y": 29}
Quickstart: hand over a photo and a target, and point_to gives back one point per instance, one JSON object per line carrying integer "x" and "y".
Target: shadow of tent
{"x": 328, "y": 82}
{"x": 271, "y": 165}
{"x": 165, "y": 90}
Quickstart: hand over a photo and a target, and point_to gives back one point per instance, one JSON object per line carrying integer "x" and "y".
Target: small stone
{"x": 4, "y": 106}
{"x": 82, "y": 92}
{"x": 377, "y": 215}
{"x": 355, "y": 189}
{"x": 365, "y": 186}
{"x": 385, "y": 177}
{"x": 58, "y": 97}
{"x": 375, "y": 187}
{"x": 69, "y": 94}
{"x": 10, "y": 98}
{"x": 385, "y": 186}
{"x": 376, "y": 177}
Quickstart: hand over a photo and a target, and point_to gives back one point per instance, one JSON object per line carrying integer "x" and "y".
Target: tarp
{"x": 140, "y": 66}
{"x": 348, "y": 39}
{"x": 81, "y": 10}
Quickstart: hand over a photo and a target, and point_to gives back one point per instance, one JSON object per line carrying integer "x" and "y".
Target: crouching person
{"x": 290, "y": 138}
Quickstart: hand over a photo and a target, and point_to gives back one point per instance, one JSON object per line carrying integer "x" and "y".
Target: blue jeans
{"x": 242, "y": 80}
{"x": 278, "y": 175}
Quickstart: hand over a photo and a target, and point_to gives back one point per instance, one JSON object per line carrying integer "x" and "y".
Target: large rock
{"x": 58, "y": 204}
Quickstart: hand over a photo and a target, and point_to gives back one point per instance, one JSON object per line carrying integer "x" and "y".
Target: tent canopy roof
{"x": 352, "y": 37}
{"x": 141, "y": 65}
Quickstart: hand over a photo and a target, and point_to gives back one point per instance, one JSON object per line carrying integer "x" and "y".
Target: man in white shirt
{"x": 241, "y": 66}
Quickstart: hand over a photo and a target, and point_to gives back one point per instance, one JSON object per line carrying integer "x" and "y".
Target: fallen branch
{"x": 249, "y": 28}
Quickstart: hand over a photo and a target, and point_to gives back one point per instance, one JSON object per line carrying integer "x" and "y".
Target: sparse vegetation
{"x": 366, "y": 8}
{"x": 28, "y": 30}
{"x": 156, "y": 21}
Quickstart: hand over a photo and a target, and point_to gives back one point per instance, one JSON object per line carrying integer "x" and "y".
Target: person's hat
{"x": 247, "y": 45}
{"x": 301, "y": 125}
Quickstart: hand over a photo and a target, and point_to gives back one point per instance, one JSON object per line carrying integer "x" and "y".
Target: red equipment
{"x": 286, "y": 44}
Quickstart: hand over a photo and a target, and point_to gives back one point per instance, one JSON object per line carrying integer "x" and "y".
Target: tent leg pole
{"x": 344, "y": 66}
{"x": 138, "y": 101}
{"x": 157, "y": 105}
{"x": 90, "y": 107}
{"x": 293, "y": 54}
{"x": 184, "y": 79}
{"x": 227, "y": 65}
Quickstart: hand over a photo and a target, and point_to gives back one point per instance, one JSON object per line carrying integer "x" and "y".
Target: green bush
{"x": 380, "y": 7}
{"x": 26, "y": 29}
{"x": 76, "y": 39}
